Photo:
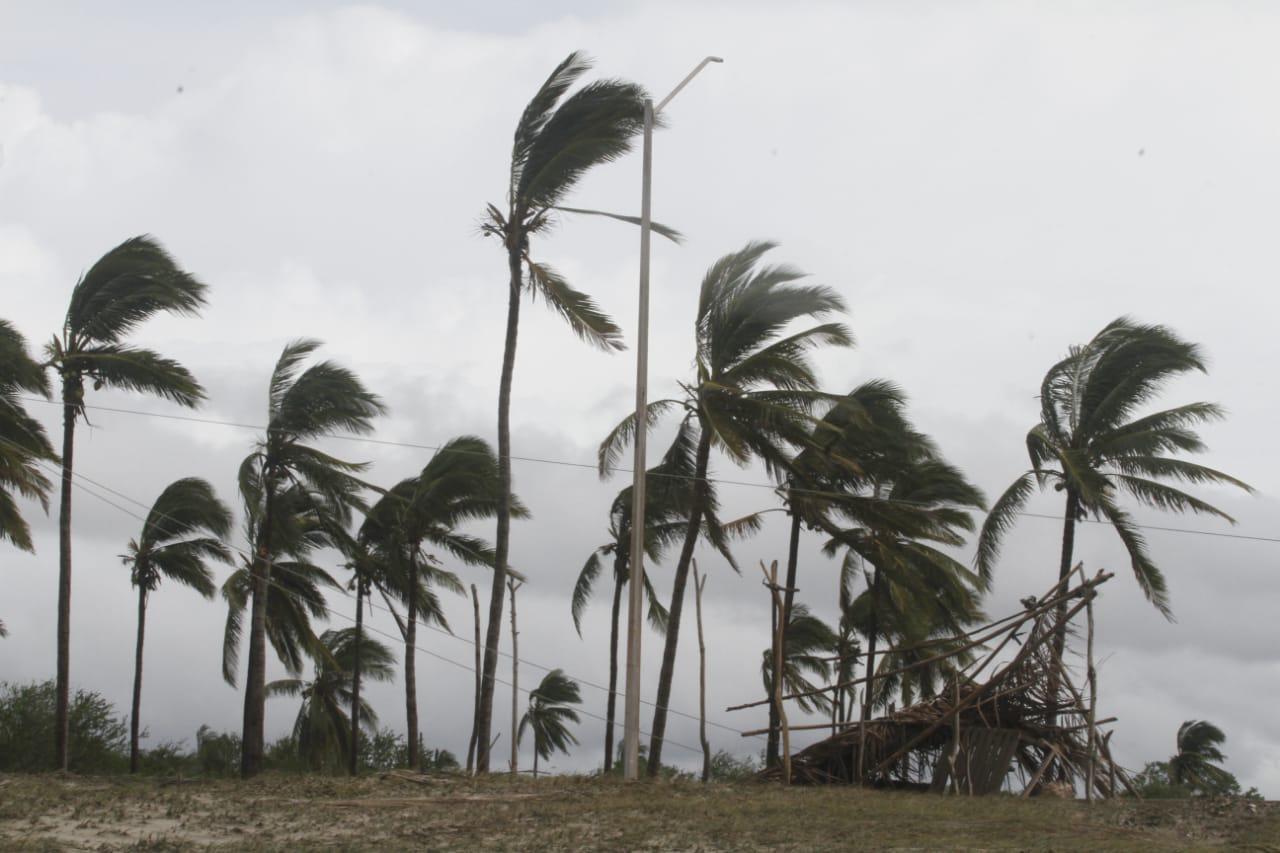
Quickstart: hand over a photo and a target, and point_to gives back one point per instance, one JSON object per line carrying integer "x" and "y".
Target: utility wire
{"x": 816, "y": 493}
{"x": 372, "y": 606}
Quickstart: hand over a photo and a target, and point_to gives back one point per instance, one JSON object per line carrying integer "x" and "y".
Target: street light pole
{"x": 635, "y": 598}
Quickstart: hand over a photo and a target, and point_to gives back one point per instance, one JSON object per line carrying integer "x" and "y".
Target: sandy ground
{"x": 391, "y": 812}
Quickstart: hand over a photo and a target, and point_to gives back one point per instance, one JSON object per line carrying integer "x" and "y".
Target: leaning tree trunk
{"x": 788, "y": 596}
{"x": 410, "y": 662}
{"x": 1064, "y": 569}
{"x": 501, "y": 542}
{"x": 698, "y": 584}
{"x": 611, "y": 705}
{"x": 353, "y": 763}
{"x": 137, "y": 681}
{"x": 71, "y": 390}
{"x": 475, "y": 702}
{"x": 255, "y": 688}
{"x": 698, "y": 487}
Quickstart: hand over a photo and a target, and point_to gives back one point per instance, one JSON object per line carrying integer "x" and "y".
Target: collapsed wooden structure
{"x": 1014, "y": 717}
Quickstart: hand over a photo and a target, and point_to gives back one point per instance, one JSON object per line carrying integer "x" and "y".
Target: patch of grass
{"x": 288, "y": 811}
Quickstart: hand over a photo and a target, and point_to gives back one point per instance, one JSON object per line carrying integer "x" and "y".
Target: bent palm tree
{"x": 458, "y": 485}
{"x": 1089, "y": 444}
{"x": 322, "y": 729}
{"x": 751, "y": 399}
{"x": 24, "y": 446}
{"x": 1193, "y": 765}
{"x": 182, "y": 532}
{"x": 557, "y": 141}
{"x": 128, "y": 285}
{"x": 549, "y": 716}
{"x": 302, "y": 405}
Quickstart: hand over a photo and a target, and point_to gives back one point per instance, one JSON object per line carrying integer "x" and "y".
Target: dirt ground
{"x": 391, "y": 812}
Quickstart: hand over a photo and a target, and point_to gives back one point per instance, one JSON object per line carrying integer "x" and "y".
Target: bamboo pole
{"x": 698, "y": 584}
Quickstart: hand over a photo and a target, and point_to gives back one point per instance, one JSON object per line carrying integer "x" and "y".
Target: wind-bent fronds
{"x": 1195, "y": 763}
{"x": 809, "y": 643}
{"x": 1092, "y": 443}
{"x": 183, "y": 531}
{"x": 550, "y": 714}
{"x": 25, "y": 449}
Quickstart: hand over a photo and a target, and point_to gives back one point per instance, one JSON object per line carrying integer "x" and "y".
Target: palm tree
{"x": 806, "y": 655}
{"x": 183, "y": 531}
{"x": 128, "y": 285}
{"x": 302, "y": 405}
{"x": 1090, "y": 444}
{"x": 295, "y": 595}
{"x": 558, "y": 139}
{"x": 549, "y": 715}
{"x": 751, "y": 399}
{"x": 459, "y": 484}
{"x": 321, "y": 729}
{"x": 24, "y": 446}
{"x": 1193, "y": 764}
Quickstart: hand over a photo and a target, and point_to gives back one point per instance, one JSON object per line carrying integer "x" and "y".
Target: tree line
{"x": 850, "y": 466}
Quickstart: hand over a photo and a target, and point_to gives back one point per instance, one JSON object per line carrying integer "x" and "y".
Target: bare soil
{"x": 290, "y": 812}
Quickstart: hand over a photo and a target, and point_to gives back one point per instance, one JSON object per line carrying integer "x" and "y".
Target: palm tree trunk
{"x": 611, "y": 705}
{"x": 137, "y": 681}
{"x": 535, "y": 764}
{"x": 788, "y": 596}
{"x": 410, "y": 662}
{"x": 255, "y": 688}
{"x": 475, "y": 703}
{"x": 698, "y": 584}
{"x": 71, "y": 390}
{"x": 1064, "y": 569}
{"x": 515, "y": 682}
{"x": 353, "y": 764}
{"x": 698, "y": 503}
{"x": 501, "y": 541}
{"x": 868, "y": 687}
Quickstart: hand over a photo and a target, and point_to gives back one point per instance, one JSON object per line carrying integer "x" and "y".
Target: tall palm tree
{"x": 1092, "y": 443}
{"x": 295, "y": 594}
{"x": 549, "y": 716}
{"x": 302, "y": 405}
{"x": 125, "y": 287}
{"x": 1194, "y": 763}
{"x": 24, "y": 446}
{"x": 322, "y": 729}
{"x": 459, "y": 484}
{"x": 559, "y": 138}
{"x": 806, "y": 655}
{"x": 751, "y": 399}
{"x": 183, "y": 531}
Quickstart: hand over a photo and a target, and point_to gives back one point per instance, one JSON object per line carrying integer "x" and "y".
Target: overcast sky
{"x": 985, "y": 183}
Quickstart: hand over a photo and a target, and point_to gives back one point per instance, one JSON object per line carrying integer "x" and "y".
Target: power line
{"x": 372, "y": 605}
{"x": 817, "y": 493}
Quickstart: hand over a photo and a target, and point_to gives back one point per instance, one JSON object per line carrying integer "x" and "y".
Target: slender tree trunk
{"x": 471, "y": 745}
{"x": 699, "y": 488}
{"x": 698, "y": 584}
{"x": 1064, "y": 569}
{"x": 71, "y": 391}
{"x": 515, "y": 683}
{"x": 868, "y": 691}
{"x": 410, "y": 663}
{"x": 611, "y": 705}
{"x": 501, "y": 543}
{"x": 788, "y": 597}
{"x": 134, "y": 727}
{"x": 535, "y": 764}
{"x": 353, "y": 765}
{"x": 255, "y": 688}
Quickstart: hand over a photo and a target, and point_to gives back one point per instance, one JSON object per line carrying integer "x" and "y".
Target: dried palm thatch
{"x": 1017, "y": 719}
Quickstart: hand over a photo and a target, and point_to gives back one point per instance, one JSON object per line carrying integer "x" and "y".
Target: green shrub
{"x": 99, "y": 739}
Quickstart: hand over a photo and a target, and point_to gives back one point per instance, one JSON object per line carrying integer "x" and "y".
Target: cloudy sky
{"x": 985, "y": 183}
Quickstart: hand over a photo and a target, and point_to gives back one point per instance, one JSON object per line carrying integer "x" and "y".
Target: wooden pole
{"x": 515, "y": 680}
{"x": 471, "y": 746}
{"x": 698, "y": 584}
{"x": 1092, "y": 675}
{"x": 771, "y": 581}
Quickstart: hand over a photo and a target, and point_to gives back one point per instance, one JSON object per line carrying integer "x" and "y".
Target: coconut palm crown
{"x": 24, "y": 445}
{"x": 550, "y": 714}
{"x": 1093, "y": 444}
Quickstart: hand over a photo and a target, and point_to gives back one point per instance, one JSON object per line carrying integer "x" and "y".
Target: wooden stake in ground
{"x": 515, "y": 680}
{"x": 471, "y": 745}
{"x": 698, "y": 584}
{"x": 771, "y": 581}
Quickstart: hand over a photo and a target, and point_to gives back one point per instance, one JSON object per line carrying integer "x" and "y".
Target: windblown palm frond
{"x": 25, "y": 450}
{"x": 550, "y": 714}
{"x": 1092, "y": 443}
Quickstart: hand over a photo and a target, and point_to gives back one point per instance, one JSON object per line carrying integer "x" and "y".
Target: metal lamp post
{"x": 635, "y": 598}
